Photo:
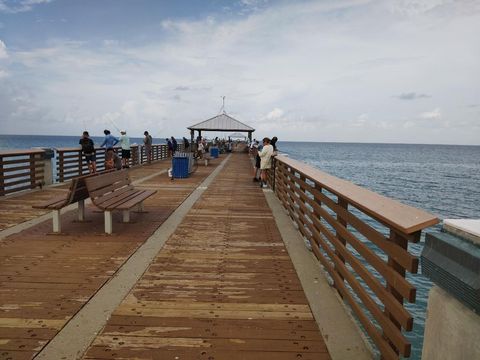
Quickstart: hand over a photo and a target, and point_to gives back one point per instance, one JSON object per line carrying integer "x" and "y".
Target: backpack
{"x": 87, "y": 146}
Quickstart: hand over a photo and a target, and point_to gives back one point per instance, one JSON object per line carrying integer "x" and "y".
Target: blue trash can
{"x": 214, "y": 152}
{"x": 180, "y": 167}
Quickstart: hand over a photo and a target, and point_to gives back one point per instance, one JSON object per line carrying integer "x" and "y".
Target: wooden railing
{"x": 25, "y": 169}
{"x": 20, "y": 170}
{"x": 361, "y": 239}
{"x": 71, "y": 163}
{"x": 159, "y": 152}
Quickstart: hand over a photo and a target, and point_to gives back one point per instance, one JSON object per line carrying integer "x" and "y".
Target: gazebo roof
{"x": 222, "y": 122}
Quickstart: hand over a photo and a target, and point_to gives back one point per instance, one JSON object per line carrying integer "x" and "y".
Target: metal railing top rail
{"x": 404, "y": 218}
{"x": 20, "y": 152}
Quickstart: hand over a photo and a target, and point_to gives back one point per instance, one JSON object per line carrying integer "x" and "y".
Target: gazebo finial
{"x": 222, "y": 110}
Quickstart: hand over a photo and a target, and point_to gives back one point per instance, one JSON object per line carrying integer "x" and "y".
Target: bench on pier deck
{"x": 77, "y": 193}
{"x": 114, "y": 191}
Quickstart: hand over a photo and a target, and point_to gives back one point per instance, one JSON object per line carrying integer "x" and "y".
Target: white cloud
{"x": 431, "y": 115}
{"x": 13, "y": 7}
{"x": 275, "y": 114}
{"x": 308, "y": 71}
{"x": 361, "y": 120}
{"x": 3, "y": 50}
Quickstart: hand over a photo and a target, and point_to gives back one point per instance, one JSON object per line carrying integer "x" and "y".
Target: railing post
{"x": 134, "y": 155}
{"x": 48, "y": 177}
{"x": 80, "y": 163}
{"x": 2, "y": 178}
{"x": 343, "y": 204}
{"x": 60, "y": 166}
{"x": 273, "y": 175}
{"x": 403, "y": 243}
{"x": 32, "y": 171}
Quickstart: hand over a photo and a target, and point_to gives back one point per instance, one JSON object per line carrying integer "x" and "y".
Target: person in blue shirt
{"x": 110, "y": 141}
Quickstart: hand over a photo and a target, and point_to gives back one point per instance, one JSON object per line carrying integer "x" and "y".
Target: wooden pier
{"x": 221, "y": 286}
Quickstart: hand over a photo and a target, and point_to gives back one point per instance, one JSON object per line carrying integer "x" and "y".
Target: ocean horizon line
{"x": 280, "y": 140}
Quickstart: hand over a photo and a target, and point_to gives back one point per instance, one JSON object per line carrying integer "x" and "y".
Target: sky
{"x": 389, "y": 71}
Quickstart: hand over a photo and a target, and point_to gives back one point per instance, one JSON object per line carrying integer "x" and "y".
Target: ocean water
{"x": 441, "y": 179}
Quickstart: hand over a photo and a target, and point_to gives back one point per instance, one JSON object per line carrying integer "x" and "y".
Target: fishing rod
{"x": 114, "y": 125}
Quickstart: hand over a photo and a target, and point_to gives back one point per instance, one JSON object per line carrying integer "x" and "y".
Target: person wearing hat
{"x": 125, "y": 144}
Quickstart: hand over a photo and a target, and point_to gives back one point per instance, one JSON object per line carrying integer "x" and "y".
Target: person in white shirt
{"x": 125, "y": 144}
{"x": 265, "y": 161}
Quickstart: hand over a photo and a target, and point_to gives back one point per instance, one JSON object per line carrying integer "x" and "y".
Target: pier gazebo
{"x": 222, "y": 122}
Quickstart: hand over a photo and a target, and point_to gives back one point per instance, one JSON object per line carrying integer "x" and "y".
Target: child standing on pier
{"x": 88, "y": 149}
{"x": 112, "y": 160}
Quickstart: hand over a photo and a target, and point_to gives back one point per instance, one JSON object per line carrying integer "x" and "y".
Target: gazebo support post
{"x": 192, "y": 135}
{"x": 250, "y": 136}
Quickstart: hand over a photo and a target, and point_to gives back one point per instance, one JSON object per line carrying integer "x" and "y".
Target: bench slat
{"x": 115, "y": 198}
{"x": 108, "y": 195}
{"x": 54, "y": 203}
{"x": 123, "y": 199}
{"x": 135, "y": 201}
{"x": 107, "y": 180}
{"x": 102, "y": 191}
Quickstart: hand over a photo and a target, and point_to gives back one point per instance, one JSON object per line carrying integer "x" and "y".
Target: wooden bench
{"x": 77, "y": 193}
{"x": 114, "y": 191}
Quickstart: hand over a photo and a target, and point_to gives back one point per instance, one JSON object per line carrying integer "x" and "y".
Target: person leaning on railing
{"x": 88, "y": 149}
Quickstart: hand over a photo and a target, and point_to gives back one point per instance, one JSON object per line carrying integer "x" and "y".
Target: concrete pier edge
{"x": 76, "y": 336}
{"x": 343, "y": 337}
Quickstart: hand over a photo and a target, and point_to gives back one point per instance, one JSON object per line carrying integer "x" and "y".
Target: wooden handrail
{"x": 404, "y": 218}
{"x": 361, "y": 238}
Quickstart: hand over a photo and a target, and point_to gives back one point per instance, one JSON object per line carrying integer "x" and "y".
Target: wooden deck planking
{"x": 46, "y": 279}
{"x": 223, "y": 287}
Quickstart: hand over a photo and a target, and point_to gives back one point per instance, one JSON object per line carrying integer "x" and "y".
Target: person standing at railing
{"x": 174, "y": 144}
{"x": 255, "y": 149}
{"x": 274, "y": 144}
{"x": 110, "y": 141}
{"x": 169, "y": 147}
{"x": 147, "y": 141}
{"x": 265, "y": 161}
{"x": 125, "y": 144}
{"x": 88, "y": 150}
{"x": 186, "y": 144}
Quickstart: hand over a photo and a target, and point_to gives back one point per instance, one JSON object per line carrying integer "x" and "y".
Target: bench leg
{"x": 126, "y": 216}
{"x": 81, "y": 210}
{"x": 140, "y": 208}
{"x": 206, "y": 162}
{"x": 108, "y": 222}
{"x": 57, "y": 225}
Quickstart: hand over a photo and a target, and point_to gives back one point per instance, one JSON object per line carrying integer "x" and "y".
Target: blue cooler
{"x": 180, "y": 167}
{"x": 214, "y": 152}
